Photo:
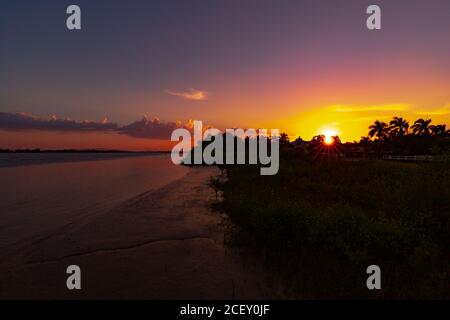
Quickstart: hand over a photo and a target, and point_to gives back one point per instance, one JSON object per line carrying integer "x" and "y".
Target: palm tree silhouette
{"x": 439, "y": 130}
{"x": 379, "y": 129}
{"x": 421, "y": 127}
{"x": 398, "y": 127}
{"x": 284, "y": 139}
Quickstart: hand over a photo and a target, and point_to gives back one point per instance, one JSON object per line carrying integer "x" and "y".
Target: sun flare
{"x": 329, "y": 134}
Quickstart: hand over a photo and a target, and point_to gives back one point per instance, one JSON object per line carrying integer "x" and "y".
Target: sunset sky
{"x": 300, "y": 66}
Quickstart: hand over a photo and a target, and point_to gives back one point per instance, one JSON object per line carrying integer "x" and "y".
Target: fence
{"x": 409, "y": 158}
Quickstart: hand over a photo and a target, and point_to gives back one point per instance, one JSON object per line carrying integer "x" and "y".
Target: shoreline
{"x": 65, "y": 157}
{"x": 165, "y": 244}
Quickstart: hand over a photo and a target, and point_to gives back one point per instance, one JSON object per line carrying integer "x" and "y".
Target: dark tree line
{"x": 399, "y": 127}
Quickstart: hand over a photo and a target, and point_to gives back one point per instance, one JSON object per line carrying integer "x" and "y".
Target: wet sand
{"x": 164, "y": 244}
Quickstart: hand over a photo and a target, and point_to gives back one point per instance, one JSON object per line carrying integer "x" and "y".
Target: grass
{"x": 320, "y": 226}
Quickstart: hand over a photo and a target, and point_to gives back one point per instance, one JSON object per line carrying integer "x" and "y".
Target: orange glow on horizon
{"x": 48, "y": 140}
{"x": 351, "y": 122}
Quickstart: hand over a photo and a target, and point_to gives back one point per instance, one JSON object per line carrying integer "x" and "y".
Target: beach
{"x": 166, "y": 243}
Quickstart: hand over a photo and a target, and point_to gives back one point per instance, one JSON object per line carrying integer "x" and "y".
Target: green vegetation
{"x": 321, "y": 221}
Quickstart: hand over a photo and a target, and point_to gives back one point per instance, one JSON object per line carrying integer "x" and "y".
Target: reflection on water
{"x": 13, "y": 159}
{"x": 37, "y": 199}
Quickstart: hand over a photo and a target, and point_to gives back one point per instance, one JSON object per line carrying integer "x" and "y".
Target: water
{"x": 13, "y": 159}
{"x": 36, "y": 200}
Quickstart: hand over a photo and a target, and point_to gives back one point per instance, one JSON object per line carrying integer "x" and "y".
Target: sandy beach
{"x": 164, "y": 244}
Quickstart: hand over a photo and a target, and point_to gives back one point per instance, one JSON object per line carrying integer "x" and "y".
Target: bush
{"x": 347, "y": 214}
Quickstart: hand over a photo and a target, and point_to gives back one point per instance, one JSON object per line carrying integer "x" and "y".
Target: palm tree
{"x": 421, "y": 127}
{"x": 379, "y": 129}
{"x": 284, "y": 139}
{"x": 398, "y": 127}
{"x": 439, "y": 130}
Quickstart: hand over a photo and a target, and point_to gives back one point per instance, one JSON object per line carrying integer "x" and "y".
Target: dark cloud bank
{"x": 144, "y": 128}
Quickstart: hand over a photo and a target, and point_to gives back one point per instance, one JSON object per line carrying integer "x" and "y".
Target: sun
{"x": 329, "y": 134}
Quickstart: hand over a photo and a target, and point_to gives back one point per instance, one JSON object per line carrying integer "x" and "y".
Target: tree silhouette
{"x": 398, "y": 127}
{"x": 439, "y": 130}
{"x": 284, "y": 139}
{"x": 421, "y": 127}
{"x": 379, "y": 129}
{"x": 336, "y": 140}
{"x": 319, "y": 139}
{"x": 364, "y": 140}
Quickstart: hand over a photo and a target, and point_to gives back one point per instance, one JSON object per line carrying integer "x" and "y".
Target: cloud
{"x": 382, "y": 107}
{"x": 25, "y": 121}
{"x": 441, "y": 111}
{"x": 144, "y": 128}
{"x": 191, "y": 94}
{"x": 152, "y": 128}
